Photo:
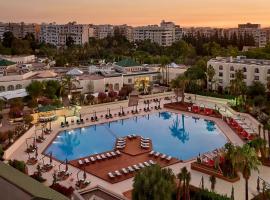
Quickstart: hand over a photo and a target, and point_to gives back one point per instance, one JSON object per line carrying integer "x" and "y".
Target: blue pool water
{"x": 180, "y": 136}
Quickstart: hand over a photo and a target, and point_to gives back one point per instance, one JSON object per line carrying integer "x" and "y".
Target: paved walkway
{"x": 221, "y": 186}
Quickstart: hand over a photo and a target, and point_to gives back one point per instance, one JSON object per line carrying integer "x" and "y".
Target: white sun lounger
{"x": 113, "y": 154}
{"x": 103, "y": 156}
{"x": 169, "y": 158}
{"x": 86, "y": 160}
{"x": 98, "y": 157}
{"x": 108, "y": 155}
{"x": 130, "y": 136}
{"x": 145, "y": 143}
{"x": 117, "y": 152}
{"x": 110, "y": 174}
{"x": 152, "y": 162}
{"x": 117, "y": 173}
{"x": 121, "y": 142}
{"x": 124, "y": 170}
{"x": 145, "y": 138}
{"x": 151, "y": 153}
{"x": 134, "y": 135}
{"x": 80, "y": 162}
{"x": 145, "y": 146}
{"x": 136, "y": 167}
{"x": 141, "y": 165}
{"x": 92, "y": 159}
{"x": 163, "y": 156}
{"x": 121, "y": 139}
{"x": 130, "y": 169}
{"x": 120, "y": 147}
{"x": 157, "y": 154}
{"x": 146, "y": 164}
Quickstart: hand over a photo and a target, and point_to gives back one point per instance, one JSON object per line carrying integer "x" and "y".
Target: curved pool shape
{"x": 180, "y": 136}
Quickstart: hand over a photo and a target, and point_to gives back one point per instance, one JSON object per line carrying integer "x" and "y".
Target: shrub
{"x": 28, "y": 119}
{"x": 19, "y": 165}
{"x": 207, "y": 195}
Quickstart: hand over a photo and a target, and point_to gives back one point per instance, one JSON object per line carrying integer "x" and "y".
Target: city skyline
{"x": 185, "y": 13}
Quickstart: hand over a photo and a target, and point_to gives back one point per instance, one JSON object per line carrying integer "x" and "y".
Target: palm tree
{"x": 179, "y": 132}
{"x": 259, "y": 145}
{"x": 67, "y": 83}
{"x": 213, "y": 181}
{"x": 247, "y": 161}
{"x": 179, "y": 85}
{"x": 185, "y": 176}
{"x": 238, "y": 86}
{"x": 210, "y": 75}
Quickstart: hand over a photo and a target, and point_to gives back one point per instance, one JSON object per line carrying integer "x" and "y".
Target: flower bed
{"x": 211, "y": 171}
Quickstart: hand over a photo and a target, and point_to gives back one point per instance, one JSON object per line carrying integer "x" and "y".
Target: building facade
{"x": 225, "y": 68}
{"x": 164, "y": 35}
{"x": 57, "y": 35}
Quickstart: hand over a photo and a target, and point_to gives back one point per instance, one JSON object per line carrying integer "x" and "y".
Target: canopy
{"x": 13, "y": 94}
{"x": 47, "y": 74}
{"x": 75, "y": 72}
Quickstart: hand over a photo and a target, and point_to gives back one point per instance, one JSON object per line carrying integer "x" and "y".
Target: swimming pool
{"x": 180, "y": 136}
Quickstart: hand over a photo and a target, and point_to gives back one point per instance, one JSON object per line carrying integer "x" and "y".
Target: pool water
{"x": 180, "y": 136}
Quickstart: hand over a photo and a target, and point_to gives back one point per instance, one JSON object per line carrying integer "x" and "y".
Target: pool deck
{"x": 131, "y": 155}
{"x": 222, "y": 187}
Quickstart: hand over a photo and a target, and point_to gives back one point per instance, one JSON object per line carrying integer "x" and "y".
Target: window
{"x": 257, "y": 70}
{"x": 231, "y": 68}
{"x": 268, "y": 71}
{"x": 244, "y": 69}
{"x": 116, "y": 86}
{"x": 220, "y": 74}
{"x": 220, "y": 81}
{"x": 19, "y": 86}
{"x": 2, "y": 89}
{"x": 231, "y": 75}
{"x": 129, "y": 80}
{"x": 10, "y": 87}
{"x": 245, "y": 76}
{"x": 256, "y": 78}
{"x": 220, "y": 67}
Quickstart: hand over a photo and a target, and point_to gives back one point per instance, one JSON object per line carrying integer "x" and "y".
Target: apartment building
{"x": 19, "y": 30}
{"x": 256, "y": 31}
{"x": 164, "y": 35}
{"x": 225, "y": 68}
{"x": 57, "y": 34}
{"x": 103, "y": 31}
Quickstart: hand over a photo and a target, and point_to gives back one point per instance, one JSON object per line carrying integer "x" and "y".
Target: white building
{"x": 103, "y": 31}
{"x": 165, "y": 34}
{"x": 57, "y": 34}
{"x": 19, "y": 59}
{"x": 225, "y": 68}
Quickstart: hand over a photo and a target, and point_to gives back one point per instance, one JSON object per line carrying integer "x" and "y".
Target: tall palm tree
{"x": 67, "y": 84}
{"x": 179, "y": 85}
{"x": 246, "y": 161}
{"x": 210, "y": 75}
{"x": 238, "y": 86}
{"x": 185, "y": 176}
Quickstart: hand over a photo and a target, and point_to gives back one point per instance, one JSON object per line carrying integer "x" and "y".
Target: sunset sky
{"x": 217, "y": 13}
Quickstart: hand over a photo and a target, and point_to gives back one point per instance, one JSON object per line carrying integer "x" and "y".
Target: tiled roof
{"x": 6, "y": 63}
{"x": 127, "y": 63}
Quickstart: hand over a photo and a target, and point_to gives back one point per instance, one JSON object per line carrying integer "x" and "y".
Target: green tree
{"x": 238, "y": 86}
{"x": 8, "y": 38}
{"x": 70, "y": 41}
{"x": 153, "y": 183}
{"x": 35, "y": 89}
{"x": 246, "y": 160}
{"x": 213, "y": 181}
{"x": 179, "y": 85}
{"x": 67, "y": 84}
{"x": 210, "y": 75}
{"x": 184, "y": 176}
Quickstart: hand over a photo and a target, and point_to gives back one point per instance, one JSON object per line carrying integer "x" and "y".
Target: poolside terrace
{"x": 132, "y": 154}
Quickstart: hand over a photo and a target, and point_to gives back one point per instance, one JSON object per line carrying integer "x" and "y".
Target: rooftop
{"x": 4, "y": 62}
{"x": 241, "y": 60}
{"x": 24, "y": 185}
{"x": 127, "y": 63}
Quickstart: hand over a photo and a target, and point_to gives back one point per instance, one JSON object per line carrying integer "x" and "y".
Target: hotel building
{"x": 57, "y": 34}
{"x": 253, "y": 70}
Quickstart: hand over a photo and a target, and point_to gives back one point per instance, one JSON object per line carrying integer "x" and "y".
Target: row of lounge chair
{"x": 121, "y": 143}
{"x": 145, "y": 143}
{"x": 131, "y": 169}
{"x": 99, "y": 157}
{"x": 198, "y": 109}
{"x": 244, "y": 131}
{"x": 162, "y": 156}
